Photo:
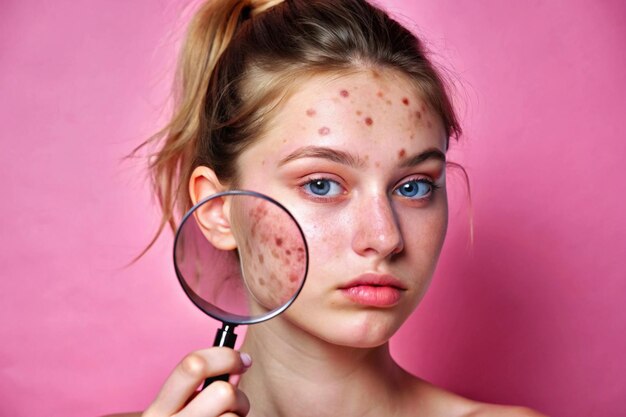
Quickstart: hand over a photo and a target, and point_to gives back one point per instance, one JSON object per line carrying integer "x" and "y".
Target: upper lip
{"x": 375, "y": 280}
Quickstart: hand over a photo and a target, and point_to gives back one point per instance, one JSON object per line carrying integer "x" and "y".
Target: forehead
{"x": 365, "y": 112}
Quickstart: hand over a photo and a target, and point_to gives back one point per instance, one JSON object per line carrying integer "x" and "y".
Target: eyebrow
{"x": 334, "y": 155}
{"x": 346, "y": 158}
{"x": 432, "y": 153}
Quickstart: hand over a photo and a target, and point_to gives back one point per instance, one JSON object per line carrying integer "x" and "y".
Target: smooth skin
{"x": 357, "y": 158}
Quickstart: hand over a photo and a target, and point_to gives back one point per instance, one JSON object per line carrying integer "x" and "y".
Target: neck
{"x": 291, "y": 375}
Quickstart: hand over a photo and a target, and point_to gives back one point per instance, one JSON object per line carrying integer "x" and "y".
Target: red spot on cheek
{"x": 278, "y": 241}
{"x": 405, "y": 101}
{"x": 344, "y": 93}
{"x": 323, "y": 131}
{"x": 369, "y": 121}
{"x": 402, "y": 153}
{"x": 311, "y": 112}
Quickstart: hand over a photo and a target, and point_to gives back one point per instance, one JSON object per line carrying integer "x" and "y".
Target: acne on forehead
{"x": 359, "y": 97}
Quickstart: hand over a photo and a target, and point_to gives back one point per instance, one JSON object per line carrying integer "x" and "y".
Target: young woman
{"x": 333, "y": 109}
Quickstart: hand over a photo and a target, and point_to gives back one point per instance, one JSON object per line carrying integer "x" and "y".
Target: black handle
{"x": 224, "y": 337}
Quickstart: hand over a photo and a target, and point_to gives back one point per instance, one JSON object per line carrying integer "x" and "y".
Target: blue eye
{"x": 416, "y": 188}
{"x": 323, "y": 187}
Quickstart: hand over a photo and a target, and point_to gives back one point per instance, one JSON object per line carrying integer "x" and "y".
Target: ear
{"x": 212, "y": 217}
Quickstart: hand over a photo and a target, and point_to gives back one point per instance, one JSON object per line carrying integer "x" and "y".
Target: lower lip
{"x": 373, "y": 295}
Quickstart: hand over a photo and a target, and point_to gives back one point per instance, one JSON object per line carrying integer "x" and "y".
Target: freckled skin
{"x": 346, "y": 237}
{"x": 273, "y": 247}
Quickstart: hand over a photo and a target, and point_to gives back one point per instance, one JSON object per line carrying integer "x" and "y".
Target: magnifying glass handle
{"x": 227, "y": 337}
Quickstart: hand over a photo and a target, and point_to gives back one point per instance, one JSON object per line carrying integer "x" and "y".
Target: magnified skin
{"x": 271, "y": 249}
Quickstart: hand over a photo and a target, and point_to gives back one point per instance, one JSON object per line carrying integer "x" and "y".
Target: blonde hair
{"x": 241, "y": 57}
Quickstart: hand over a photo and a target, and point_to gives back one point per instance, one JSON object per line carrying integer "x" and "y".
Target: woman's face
{"x": 359, "y": 161}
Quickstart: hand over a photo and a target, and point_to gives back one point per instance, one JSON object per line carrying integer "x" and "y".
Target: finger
{"x": 191, "y": 372}
{"x": 218, "y": 398}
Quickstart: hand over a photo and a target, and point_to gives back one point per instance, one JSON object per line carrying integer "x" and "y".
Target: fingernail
{"x": 246, "y": 359}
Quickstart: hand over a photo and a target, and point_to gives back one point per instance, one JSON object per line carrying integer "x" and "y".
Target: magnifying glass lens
{"x": 240, "y": 257}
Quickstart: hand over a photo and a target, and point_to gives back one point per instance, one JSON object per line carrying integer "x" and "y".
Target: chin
{"x": 367, "y": 328}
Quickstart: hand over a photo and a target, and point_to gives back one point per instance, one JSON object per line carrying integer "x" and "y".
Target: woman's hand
{"x": 179, "y": 395}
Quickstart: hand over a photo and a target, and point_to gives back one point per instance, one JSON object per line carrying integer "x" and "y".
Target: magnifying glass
{"x": 240, "y": 257}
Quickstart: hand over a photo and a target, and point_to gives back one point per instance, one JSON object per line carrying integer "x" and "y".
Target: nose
{"x": 377, "y": 230}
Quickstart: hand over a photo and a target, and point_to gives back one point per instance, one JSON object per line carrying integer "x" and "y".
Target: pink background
{"x": 532, "y": 314}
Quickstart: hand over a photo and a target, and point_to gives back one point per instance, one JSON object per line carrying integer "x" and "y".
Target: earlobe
{"x": 212, "y": 217}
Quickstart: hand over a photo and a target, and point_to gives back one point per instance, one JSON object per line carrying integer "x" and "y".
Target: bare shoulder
{"x": 492, "y": 410}
{"x": 436, "y": 401}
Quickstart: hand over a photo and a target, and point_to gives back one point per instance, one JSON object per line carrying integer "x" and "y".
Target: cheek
{"x": 274, "y": 257}
{"x": 425, "y": 233}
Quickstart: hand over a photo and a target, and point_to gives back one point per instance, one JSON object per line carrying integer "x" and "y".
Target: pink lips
{"x": 374, "y": 290}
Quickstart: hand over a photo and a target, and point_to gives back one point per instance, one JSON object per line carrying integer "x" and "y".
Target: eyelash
{"x": 433, "y": 188}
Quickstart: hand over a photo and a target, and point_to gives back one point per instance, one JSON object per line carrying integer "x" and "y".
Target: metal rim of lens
{"x": 207, "y": 307}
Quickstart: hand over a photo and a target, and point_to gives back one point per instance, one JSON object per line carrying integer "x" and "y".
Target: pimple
{"x": 369, "y": 121}
{"x": 262, "y": 282}
{"x": 418, "y": 114}
{"x": 377, "y": 164}
{"x": 344, "y": 93}
{"x": 323, "y": 131}
{"x": 278, "y": 241}
{"x": 311, "y": 112}
{"x": 401, "y": 153}
{"x": 380, "y": 94}
{"x": 405, "y": 101}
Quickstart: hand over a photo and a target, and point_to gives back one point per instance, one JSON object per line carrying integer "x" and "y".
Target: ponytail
{"x": 210, "y": 32}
